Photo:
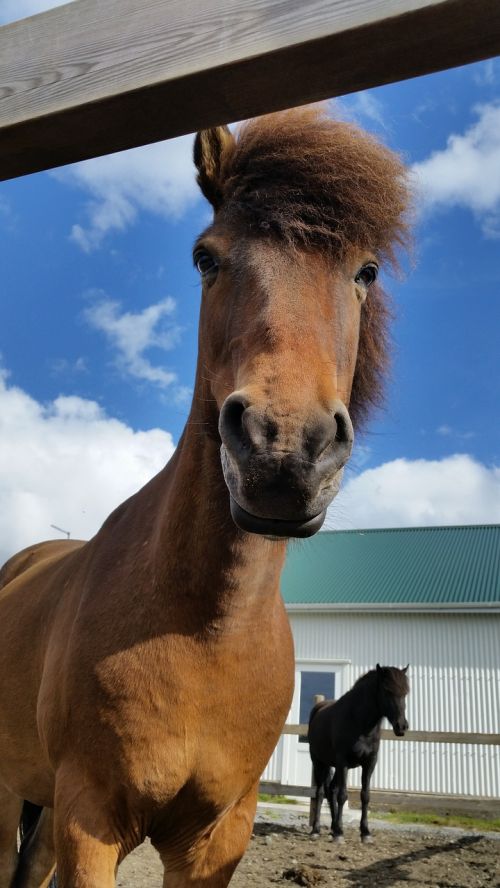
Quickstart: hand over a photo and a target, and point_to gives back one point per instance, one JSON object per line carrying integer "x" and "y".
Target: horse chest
{"x": 365, "y": 747}
{"x": 170, "y": 712}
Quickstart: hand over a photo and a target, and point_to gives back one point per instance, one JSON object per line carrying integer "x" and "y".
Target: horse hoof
{"x": 314, "y": 836}
{"x": 339, "y": 840}
{"x": 366, "y": 839}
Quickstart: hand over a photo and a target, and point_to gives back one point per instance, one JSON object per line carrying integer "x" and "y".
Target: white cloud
{"x": 8, "y": 219}
{"x": 66, "y": 463}
{"x": 132, "y": 334}
{"x": 159, "y": 178}
{"x": 485, "y": 73}
{"x": 64, "y": 367}
{"x": 12, "y": 10}
{"x": 447, "y": 431}
{"x": 413, "y": 493}
{"x": 359, "y": 108}
{"x": 365, "y": 104}
{"x": 467, "y": 172}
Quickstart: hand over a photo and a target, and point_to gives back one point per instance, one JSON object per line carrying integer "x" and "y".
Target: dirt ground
{"x": 282, "y": 853}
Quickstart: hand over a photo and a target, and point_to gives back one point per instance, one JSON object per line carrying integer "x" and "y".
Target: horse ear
{"x": 406, "y": 668}
{"x": 378, "y": 667}
{"x": 209, "y": 147}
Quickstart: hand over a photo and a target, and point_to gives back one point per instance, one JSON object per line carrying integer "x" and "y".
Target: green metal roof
{"x": 422, "y": 566}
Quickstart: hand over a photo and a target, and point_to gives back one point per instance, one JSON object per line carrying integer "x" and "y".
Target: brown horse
{"x": 145, "y": 675}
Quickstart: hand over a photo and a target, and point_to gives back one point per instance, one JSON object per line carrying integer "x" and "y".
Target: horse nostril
{"x": 318, "y": 438}
{"x": 343, "y": 435}
{"x": 331, "y": 436}
{"x": 230, "y": 422}
{"x": 241, "y": 428}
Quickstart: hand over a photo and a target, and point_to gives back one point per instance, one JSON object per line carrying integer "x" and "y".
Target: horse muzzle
{"x": 400, "y": 728}
{"x": 282, "y": 483}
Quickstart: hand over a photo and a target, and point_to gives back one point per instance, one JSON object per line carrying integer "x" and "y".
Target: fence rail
{"x": 420, "y": 736}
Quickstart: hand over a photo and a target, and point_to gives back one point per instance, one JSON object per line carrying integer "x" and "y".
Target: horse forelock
{"x": 394, "y": 680}
{"x": 317, "y": 182}
{"x": 309, "y": 181}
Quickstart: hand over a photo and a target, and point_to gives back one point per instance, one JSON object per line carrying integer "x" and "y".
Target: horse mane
{"x": 318, "y": 183}
{"x": 394, "y": 680}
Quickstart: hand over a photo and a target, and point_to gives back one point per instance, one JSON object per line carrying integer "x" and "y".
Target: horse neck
{"x": 214, "y": 572}
{"x": 366, "y": 707}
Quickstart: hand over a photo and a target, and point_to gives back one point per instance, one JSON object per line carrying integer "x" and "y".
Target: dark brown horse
{"x": 135, "y": 667}
{"x": 345, "y": 734}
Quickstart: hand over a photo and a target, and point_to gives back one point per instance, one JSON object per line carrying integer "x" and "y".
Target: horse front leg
{"x": 366, "y": 773}
{"x": 332, "y": 798}
{"x": 337, "y": 795}
{"x": 321, "y": 775}
{"x": 215, "y": 860}
{"x": 87, "y": 851}
{"x": 83, "y": 860}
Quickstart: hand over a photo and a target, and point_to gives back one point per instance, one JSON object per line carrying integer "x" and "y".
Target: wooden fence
{"x": 387, "y": 800}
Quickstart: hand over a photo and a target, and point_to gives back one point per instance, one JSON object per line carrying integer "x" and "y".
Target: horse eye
{"x": 367, "y": 275}
{"x": 205, "y": 262}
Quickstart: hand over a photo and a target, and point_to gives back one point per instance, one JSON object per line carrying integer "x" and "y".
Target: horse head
{"x": 393, "y": 687}
{"x": 292, "y": 344}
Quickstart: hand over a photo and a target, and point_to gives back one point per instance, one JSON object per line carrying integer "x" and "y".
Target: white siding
{"x": 455, "y": 686}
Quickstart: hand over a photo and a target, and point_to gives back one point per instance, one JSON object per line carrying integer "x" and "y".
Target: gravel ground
{"x": 282, "y": 853}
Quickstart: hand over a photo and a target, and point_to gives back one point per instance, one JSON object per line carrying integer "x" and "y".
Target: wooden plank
{"x": 420, "y": 736}
{"x": 287, "y": 789}
{"x": 444, "y": 737}
{"x": 98, "y": 76}
{"x": 300, "y": 730}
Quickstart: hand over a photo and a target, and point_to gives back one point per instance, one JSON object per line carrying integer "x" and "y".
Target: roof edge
{"x": 333, "y": 530}
{"x": 398, "y": 607}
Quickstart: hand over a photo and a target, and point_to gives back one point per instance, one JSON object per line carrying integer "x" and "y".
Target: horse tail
{"x": 316, "y": 708}
{"x": 30, "y": 815}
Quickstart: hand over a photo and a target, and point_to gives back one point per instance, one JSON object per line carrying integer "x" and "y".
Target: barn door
{"x": 311, "y": 679}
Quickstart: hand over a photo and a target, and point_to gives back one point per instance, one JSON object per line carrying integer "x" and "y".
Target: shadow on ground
{"x": 390, "y": 870}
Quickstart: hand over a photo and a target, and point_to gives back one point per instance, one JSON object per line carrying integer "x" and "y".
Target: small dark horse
{"x": 345, "y": 734}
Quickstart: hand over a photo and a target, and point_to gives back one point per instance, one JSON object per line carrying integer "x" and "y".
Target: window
{"x": 312, "y": 683}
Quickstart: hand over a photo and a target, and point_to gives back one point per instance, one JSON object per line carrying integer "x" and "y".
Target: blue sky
{"x": 98, "y": 322}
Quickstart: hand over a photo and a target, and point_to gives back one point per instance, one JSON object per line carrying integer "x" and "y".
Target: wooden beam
{"x": 98, "y": 76}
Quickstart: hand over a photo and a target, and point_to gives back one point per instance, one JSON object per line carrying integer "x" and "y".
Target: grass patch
{"x": 278, "y": 799}
{"x": 461, "y": 821}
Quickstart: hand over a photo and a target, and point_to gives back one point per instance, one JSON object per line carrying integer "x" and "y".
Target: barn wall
{"x": 455, "y": 686}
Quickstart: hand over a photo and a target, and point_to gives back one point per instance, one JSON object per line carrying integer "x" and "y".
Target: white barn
{"x": 429, "y": 597}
